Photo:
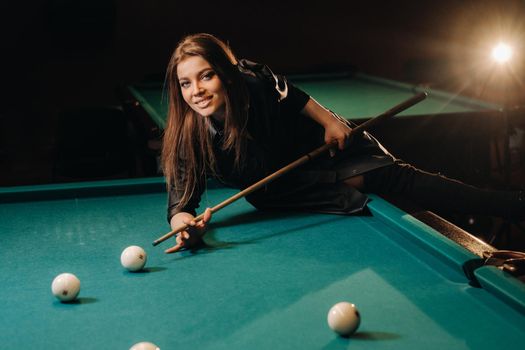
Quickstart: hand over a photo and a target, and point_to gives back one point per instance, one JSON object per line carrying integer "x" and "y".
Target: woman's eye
{"x": 207, "y": 76}
{"x": 184, "y": 84}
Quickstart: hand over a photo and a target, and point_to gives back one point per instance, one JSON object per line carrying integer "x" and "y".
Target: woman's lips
{"x": 204, "y": 102}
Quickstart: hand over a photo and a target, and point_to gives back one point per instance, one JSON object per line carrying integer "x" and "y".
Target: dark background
{"x": 59, "y": 55}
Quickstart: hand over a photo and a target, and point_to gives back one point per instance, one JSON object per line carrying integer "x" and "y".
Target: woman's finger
{"x": 174, "y": 249}
{"x": 201, "y": 225}
{"x": 180, "y": 244}
{"x": 207, "y": 215}
{"x": 341, "y": 143}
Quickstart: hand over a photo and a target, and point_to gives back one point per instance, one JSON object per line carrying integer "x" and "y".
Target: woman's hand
{"x": 193, "y": 235}
{"x": 337, "y": 131}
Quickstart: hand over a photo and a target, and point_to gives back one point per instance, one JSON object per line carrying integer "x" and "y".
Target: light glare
{"x": 502, "y": 53}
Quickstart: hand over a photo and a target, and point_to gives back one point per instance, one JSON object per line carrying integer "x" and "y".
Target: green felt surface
{"x": 365, "y": 97}
{"x": 352, "y": 96}
{"x": 265, "y": 280}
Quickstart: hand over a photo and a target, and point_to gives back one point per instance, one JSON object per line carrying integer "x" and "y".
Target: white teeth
{"x": 203, "y": 103}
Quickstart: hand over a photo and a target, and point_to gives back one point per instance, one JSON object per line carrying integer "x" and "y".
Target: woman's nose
{"x": 197, "y": 89}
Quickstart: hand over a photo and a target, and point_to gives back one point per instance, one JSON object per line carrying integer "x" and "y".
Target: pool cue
{"x": 306, "y": 158}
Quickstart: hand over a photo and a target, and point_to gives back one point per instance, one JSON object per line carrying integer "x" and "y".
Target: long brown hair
{"x": 187, "y": 149}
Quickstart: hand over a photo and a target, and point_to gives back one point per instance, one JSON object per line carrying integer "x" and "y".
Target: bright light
{"x": 502, "y": 53}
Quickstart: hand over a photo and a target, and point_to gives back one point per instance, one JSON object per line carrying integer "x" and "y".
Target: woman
{"x": 237, "y": 121}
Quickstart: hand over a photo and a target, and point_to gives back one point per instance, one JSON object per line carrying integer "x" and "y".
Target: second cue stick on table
{"x": 315, "y": 153}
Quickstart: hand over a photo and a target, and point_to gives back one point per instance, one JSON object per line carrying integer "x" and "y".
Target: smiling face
{"x": 201, "y": 87}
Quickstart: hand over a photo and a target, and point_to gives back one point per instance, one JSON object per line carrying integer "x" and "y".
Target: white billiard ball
{"x": 144, "y": 346}
{"x": 343, "y": 318}
{"x": 65, "y": 287}
{"x": 133, "y": 258}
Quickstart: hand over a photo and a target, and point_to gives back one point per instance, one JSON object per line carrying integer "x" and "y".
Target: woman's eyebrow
{"x": 198, "y": 73}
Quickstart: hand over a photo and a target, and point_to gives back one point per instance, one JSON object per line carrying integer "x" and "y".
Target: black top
{"x": 280, "y": 134}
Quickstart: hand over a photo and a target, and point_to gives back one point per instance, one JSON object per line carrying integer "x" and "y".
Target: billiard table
{"x": 263, "y": 280}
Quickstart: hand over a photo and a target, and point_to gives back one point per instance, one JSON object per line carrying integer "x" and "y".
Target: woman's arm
{"x": 335, "y": 130}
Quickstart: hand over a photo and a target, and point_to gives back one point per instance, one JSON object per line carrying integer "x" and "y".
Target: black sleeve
{"x": 291, "y": 98}
{"x": 174, "y": 198}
